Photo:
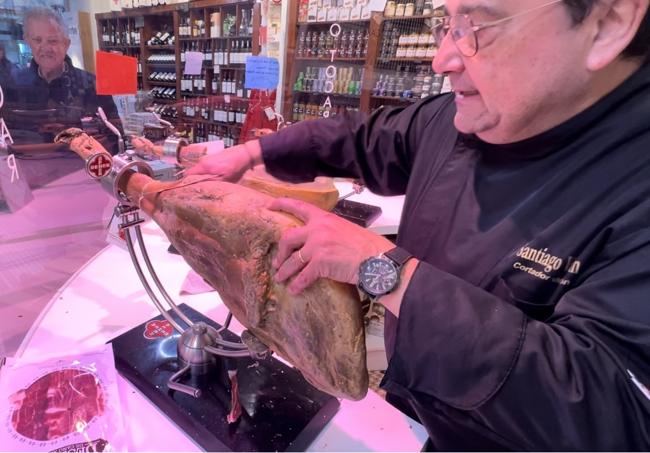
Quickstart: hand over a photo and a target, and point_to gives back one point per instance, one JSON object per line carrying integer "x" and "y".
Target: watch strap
{"x": 398, "y": 255}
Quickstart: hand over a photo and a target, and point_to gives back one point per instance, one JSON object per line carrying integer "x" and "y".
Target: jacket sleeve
{"x": 379, "y": 149}
{"x": 574, "y": 381}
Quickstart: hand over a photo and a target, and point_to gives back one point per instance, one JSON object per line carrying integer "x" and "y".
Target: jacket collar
{"x": 67, "y": 65}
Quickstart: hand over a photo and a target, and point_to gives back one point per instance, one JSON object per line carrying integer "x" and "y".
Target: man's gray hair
{"x": 44, "y": 13}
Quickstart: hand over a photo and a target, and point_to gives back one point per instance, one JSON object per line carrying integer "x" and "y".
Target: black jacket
{"x": 527, "y": 323}
{"x": 7, "y": 68}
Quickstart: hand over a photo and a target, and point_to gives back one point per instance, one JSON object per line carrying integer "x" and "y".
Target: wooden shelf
{"x": 165, "y": 47}
{"x": 339, "y": 95}
{"x": 153, "y": 63}
{"x": 231, "y": 66}
{"x": 118, "y": 46}
{"x": 227, "y": 3}
{"x": 141, "y": 11}
{"x": 162, "y": 84}
{"x": 330, "y": 22}
{"x": 165, "y": 100}
{"x": 325, "y": 60}
{"x": 427, "y": 16}
{"x": 216, "y": 123}
{"x": 233, "y": 98}
{"x": 404, "y": 60}
{"x": 233, "y": 37}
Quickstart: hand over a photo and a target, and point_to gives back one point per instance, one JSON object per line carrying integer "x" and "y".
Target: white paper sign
{"x": 377, "y": 5}
{"x": 270, "y": 114}
{"x": 193, "y": 63}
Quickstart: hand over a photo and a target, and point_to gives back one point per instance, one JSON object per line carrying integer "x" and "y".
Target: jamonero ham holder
{"x": 228, "y": 392}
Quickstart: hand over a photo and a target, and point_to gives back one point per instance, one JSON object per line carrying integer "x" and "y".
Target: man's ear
{"x": 67, "y": 44}
{"x": 616, "y": 24}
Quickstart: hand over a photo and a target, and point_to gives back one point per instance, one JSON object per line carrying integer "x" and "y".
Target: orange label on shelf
{"x": 116, "y": 74}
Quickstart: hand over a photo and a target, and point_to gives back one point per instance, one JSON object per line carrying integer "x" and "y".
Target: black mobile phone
{"x": 360, "y": 213}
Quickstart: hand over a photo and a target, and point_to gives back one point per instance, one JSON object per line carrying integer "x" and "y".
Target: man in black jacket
{"x": 50, "y": 94}
{"x": 521, "y": 315}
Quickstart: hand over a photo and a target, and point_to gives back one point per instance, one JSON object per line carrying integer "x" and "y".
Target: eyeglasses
{"x": 463, "y": 31}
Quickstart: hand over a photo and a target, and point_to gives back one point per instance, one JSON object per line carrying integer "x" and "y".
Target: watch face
{"x": 378, "y": 276}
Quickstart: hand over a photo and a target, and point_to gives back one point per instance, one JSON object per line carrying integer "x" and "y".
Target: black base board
{"x": 280, "y": 410}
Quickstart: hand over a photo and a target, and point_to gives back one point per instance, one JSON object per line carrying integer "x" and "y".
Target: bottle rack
{"x": 225, "y": 32}
{"x": 313, "y": 89}
{"x": 403, "y": 72}
{"x": 392, "y": 65}
{"x": 122, "y": 34}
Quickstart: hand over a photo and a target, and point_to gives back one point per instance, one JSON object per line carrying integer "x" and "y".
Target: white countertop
{"x": 105, "y": 298}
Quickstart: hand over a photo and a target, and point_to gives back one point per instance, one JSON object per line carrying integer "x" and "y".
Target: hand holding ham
{"x": 327, "y": 246}
{"x": 230, "y": 164}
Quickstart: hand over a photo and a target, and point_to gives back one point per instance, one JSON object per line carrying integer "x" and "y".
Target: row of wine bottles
{"x": 162, "y": 38}
{"x": 216, "y": 109}
{"x": 221, "y": 53}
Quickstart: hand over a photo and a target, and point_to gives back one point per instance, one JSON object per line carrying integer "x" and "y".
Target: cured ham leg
{"x": 228, "y": 236}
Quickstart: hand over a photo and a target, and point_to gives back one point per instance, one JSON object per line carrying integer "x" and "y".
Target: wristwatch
{"x": 379, "y": 275}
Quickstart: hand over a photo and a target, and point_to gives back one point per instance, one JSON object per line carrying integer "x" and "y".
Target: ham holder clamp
{"x": 228, "y": 392}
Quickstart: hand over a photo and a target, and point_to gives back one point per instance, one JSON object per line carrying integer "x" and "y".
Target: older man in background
{"x": 50, "y": 94}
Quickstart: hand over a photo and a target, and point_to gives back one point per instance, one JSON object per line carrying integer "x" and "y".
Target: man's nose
{"x": 448, "y": 58}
